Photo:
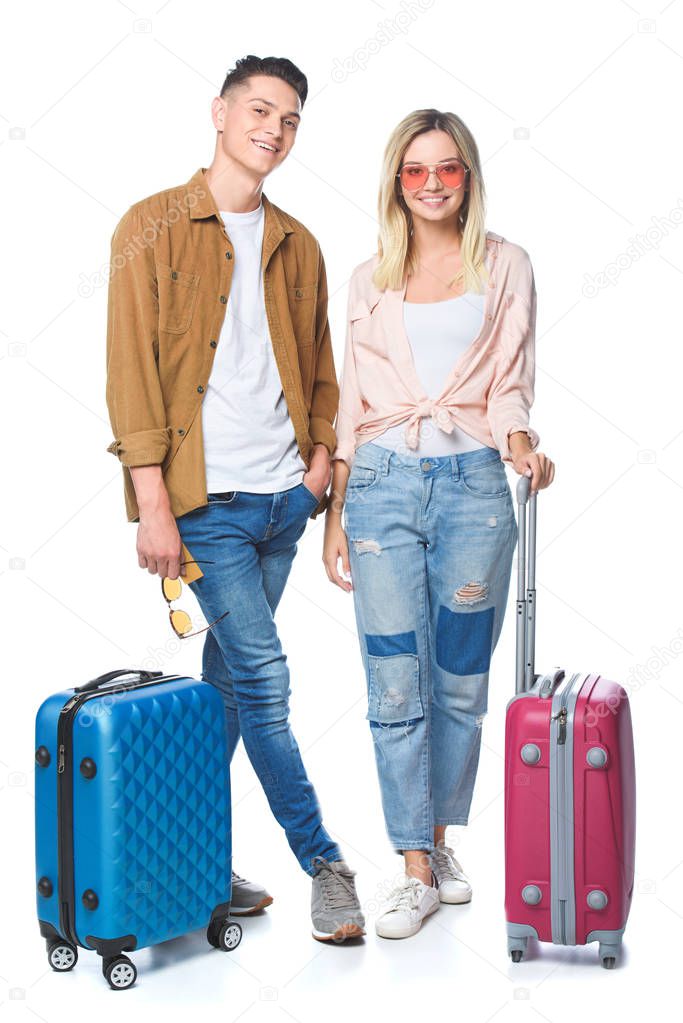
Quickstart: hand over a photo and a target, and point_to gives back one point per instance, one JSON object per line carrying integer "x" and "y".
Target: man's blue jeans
{"x": 251, "y": 540}
{"x": 431, "y": 542}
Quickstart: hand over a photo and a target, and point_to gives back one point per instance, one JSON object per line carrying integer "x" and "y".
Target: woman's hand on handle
{"x": 538, "y": 467}
{"x": 526, "y": 462}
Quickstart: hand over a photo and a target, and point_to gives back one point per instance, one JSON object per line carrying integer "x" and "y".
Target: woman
{"x": 436, "y": 388}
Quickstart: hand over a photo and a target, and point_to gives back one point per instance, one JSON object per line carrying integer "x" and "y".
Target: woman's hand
{"x": 336, "y": 546}
{"x": 536, "y": 465}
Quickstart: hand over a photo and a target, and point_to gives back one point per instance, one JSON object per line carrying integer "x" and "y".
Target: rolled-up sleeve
{"x": 325, "y": 388}
{"x": 512, "y": 392}
{"x": 133, "y": 390}
{"x": 351, "y": 406}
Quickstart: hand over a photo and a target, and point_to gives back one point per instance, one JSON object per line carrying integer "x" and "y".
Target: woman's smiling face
{"x": 433, "y": 200}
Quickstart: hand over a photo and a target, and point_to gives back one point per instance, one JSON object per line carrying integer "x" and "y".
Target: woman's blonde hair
{"x": 395, "y": 247}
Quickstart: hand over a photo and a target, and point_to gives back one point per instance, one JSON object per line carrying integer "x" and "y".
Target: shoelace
{"x": 405, "y": 895}
{"x": 444, "y": 858}
{"x": 236, "y": 877}
{"x": 337, "y": 883}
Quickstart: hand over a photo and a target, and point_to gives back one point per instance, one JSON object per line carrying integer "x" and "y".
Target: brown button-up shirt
{"x": 171, "y": 268}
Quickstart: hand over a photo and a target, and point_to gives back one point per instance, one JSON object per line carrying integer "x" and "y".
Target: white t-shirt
{"x": 249, "y": 438}
{"x": 438, "y": 332}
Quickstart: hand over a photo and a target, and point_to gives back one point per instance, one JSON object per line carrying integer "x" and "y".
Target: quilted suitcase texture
{"x": 569, "y": 794}
{"x": 133, "y": 822}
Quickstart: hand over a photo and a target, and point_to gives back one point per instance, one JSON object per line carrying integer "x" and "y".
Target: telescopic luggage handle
{"x": 526, "y": 587}
{"x": 526, "y": 601}
{"x": 103, "y": 680}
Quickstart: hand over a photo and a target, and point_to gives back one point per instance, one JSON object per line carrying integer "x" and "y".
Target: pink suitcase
{"x": 569, "y": 792}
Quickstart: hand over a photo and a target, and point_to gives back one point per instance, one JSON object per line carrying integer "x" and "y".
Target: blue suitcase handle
{"x": 102, "y": 680}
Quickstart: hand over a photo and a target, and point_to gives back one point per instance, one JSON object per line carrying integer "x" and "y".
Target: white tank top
{"x": 438, "y": 332}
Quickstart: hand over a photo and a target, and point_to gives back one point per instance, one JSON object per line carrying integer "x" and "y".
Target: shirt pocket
{"x": 178, "y": 291}
{"x": 302, "y": 301}
{"x": 366, "y": 328}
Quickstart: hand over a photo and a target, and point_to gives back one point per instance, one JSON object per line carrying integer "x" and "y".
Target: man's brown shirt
{"x": 171, "y": 268}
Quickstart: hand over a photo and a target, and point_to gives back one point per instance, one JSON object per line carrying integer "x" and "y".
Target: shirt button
{"x": 223, "y": 299}
{"x": 212, "y": 343}
{"x": 200, "y": 389}
{"x": 228, "y": 255}
{"x": 181, "y": 431}
{"x": 299, "y": 293}
{"x": 174, "y": 275}
{"x": 489, "y": 317}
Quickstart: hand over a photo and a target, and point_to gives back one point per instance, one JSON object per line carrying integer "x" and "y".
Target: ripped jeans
{"x": 431, "y": 542}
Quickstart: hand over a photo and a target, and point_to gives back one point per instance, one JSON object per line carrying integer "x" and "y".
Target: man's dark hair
{"x": 277, "y": 67}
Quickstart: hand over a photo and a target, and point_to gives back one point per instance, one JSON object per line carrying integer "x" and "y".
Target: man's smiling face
{"x": 259, "y": 123}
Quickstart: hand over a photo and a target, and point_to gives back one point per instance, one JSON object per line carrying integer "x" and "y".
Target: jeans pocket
{"x": 488, "y": 480}
{"x": 394, "y": 689}
{"x": 361, "y": 477}
{"x": 310, "y": 494}
{"x": 226, "y": 497}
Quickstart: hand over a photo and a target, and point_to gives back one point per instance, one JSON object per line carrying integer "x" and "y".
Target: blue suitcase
{"x": 133, "y": 822}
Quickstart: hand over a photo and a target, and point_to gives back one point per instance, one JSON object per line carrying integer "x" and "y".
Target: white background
{"x": 574, "y": 108}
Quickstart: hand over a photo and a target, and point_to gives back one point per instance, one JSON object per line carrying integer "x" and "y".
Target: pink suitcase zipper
{"x": 570, "y": 792}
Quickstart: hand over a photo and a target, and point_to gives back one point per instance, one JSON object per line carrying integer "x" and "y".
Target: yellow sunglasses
{"x": 181, "y": 623}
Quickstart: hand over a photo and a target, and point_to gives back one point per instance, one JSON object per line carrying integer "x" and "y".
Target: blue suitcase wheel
{"x": 230, "y": 936}
{"x": 61, "y": 955}
{"x": 226, "y": 935}
{"x": 119, "y": 972}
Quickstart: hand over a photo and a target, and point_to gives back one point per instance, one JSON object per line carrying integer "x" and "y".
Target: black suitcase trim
{"x": 107, "y": 947}
{"x": 65, "y": 808}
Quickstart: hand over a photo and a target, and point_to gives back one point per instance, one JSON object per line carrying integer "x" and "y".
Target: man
{"x": 222, "y": 391}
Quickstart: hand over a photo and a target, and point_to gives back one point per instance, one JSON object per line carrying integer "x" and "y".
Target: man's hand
{"x": 158, "y": 545}
{"x": 158, "y": 542}
{"x": 317, "y": 479}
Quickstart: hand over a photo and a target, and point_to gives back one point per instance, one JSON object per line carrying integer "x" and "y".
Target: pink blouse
{"x": 490, "y": 388}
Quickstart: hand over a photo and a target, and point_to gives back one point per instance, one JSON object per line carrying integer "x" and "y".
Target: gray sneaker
{"x": 247, "y": 897}
{"x": 335, "y": 909}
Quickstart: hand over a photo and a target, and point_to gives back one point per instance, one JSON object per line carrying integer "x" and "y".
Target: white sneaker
{"x": 453, "y": 885}
{"x": 407, "y": 906}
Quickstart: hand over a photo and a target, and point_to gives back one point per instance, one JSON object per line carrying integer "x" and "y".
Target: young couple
{"x": 227, "y": 417}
